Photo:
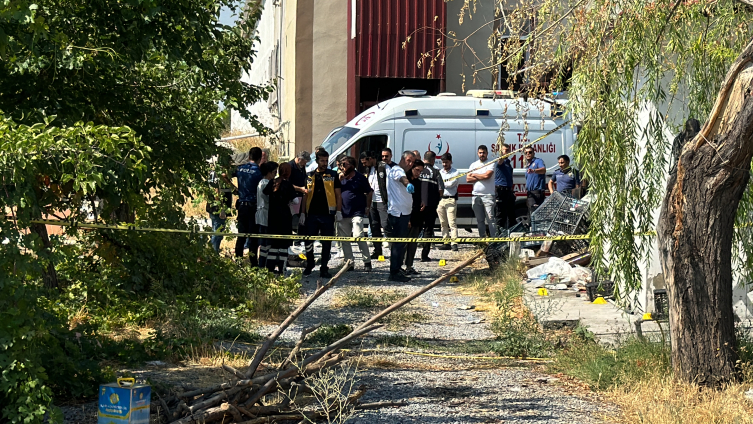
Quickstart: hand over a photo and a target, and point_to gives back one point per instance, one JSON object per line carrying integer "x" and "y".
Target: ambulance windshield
{"x": 338, "y": 139}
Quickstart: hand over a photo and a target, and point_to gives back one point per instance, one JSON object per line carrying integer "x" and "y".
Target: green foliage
{"x": 634, "y": 71}
{"x": 328, "y": 334}
{"x": 601, "y": 367}
{"x": 584, "y": 334}
{"x": 24, "y": 394}
{"x": 360, "y": 297}
{"x": 112, "y": 106}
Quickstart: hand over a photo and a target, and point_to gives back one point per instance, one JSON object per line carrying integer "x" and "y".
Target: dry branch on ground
{"x": 243, "y": 400}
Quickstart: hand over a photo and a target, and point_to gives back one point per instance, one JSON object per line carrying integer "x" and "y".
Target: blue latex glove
{"x": 410, "y": 188}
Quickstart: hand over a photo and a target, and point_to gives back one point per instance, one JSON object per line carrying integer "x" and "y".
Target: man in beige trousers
{"x": 447, "y": 209}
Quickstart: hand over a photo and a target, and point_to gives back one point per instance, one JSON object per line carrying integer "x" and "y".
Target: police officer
{"x": 503, "y": 189}
{"x": 249, "y": 175}
{"x": 535, "y": 180}
{"x": 565, "y": 179}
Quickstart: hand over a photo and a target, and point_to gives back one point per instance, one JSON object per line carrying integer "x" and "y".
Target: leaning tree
{"x": 638, "y": 72}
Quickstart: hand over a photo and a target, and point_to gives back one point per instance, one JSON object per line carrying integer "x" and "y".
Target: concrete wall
{"x": 460, "y": 59}
{"x": 329, "y": 69}
{"x": 287, "y": 85}
{"x": 261, "y": 72}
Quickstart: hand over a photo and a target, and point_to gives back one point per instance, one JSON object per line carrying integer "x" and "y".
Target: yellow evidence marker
{"x": 600, "y": 301}
{"x": 442, "y": 262}
{"x": 454, "y": 279}
{"x": 647, "y": 316}
{"x": 302, "y": 256}
{"x": 543, "y": 292}
{"x": 381, "y": 258}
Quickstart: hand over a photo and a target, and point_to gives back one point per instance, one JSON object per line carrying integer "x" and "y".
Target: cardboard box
{"x": 124, "y": 402}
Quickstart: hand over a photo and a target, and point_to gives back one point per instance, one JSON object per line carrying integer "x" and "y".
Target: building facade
{"x": 332, "y": 59}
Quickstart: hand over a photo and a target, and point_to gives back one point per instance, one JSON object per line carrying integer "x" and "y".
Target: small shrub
{"x": 328, "y": 334}
{"x": 368, "y": 298}
{"x": 602, "y": 368}
{"x": 517, "y": 329}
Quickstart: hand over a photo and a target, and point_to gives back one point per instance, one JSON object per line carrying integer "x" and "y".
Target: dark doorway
{"x": 375, "y": 90}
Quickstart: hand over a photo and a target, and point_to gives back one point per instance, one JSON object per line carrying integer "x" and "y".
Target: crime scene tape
{"x": 138, "y": 228}
{"x": 557, "y": 128}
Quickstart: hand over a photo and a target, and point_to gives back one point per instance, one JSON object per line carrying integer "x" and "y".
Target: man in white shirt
{"x": 399, "y": 206}
{"x": 482, "y": 177}
{"x": 447, "y": 209}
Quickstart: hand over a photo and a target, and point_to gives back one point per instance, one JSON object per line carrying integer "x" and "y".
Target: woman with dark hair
{"x": 281, "y": 193}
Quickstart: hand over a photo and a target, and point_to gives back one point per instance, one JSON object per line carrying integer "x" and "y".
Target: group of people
{"x": 493, "y": 189}
{"x": 400, "y": 200}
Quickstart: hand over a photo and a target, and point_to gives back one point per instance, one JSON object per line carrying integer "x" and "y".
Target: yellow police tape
{"x": 511, "y": 153}
{"x": 131, "y": 227}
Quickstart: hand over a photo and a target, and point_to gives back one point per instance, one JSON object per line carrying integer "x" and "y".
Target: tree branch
{"x": 289, "y": 320}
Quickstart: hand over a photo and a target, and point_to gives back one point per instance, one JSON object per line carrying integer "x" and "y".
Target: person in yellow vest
{"x": 322, "y": 209}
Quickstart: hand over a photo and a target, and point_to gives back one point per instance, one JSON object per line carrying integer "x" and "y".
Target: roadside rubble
{"x": 555, "y": 265}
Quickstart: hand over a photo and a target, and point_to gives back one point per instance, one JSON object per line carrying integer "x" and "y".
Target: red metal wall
{"x": 383, "y": 25}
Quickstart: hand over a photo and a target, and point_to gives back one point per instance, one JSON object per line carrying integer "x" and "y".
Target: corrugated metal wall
{"x": 382, "y": 28}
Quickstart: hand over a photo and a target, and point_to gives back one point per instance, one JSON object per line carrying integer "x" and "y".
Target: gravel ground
{"x": 436, "y": 389}
{"x": 460, "y": 393}
{"x": 440, "y": 306}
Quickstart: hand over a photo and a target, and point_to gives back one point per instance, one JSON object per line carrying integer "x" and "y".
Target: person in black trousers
{"x": 432, "y": 187}
{"x": 249, "y": 175}
{"x": 417, "y": 216}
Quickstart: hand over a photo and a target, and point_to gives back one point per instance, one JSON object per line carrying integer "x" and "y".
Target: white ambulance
{"x": 457, "y": 124}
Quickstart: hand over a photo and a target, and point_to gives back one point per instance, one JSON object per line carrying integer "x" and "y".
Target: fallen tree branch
{"x": 233, "y": 371}
{"x": 268, "y": 386}
{"x": 212, "y": 414}
{"x": 259, "y": 356}
{"x": 297, "y": 348}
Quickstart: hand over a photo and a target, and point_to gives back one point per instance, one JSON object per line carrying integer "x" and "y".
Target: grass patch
{"x": 517, "y": 329}
{"x": 602, "y": 368}
{"x": 400, "y": 319}
{"x": 637, "y": 377}
{"x": 328, "y": 334}
{"x": 366, "y": 298}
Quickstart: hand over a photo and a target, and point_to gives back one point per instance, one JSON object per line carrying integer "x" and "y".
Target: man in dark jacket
{"x": 322, "y": 209}
{"x": 249, "y": 175}
{"x": 432, "y": 187}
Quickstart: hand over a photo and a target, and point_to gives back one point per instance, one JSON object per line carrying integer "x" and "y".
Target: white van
{"x": 456, "y": 124}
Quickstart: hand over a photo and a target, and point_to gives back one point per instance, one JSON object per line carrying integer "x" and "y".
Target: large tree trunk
{"x": 696, "y": 228}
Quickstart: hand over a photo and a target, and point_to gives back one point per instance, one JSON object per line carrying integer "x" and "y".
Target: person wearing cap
{"x": 298, "y": 179}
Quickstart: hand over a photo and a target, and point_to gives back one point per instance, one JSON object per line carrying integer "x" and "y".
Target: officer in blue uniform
{"x": 566, "y": 178}
{"x": 503, "y": 189}
{"x": 249, "y": 175}
{"x": 535, "y": 180}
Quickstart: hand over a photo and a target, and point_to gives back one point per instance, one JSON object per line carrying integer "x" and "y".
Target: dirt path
{"x": 439, "y": 370}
